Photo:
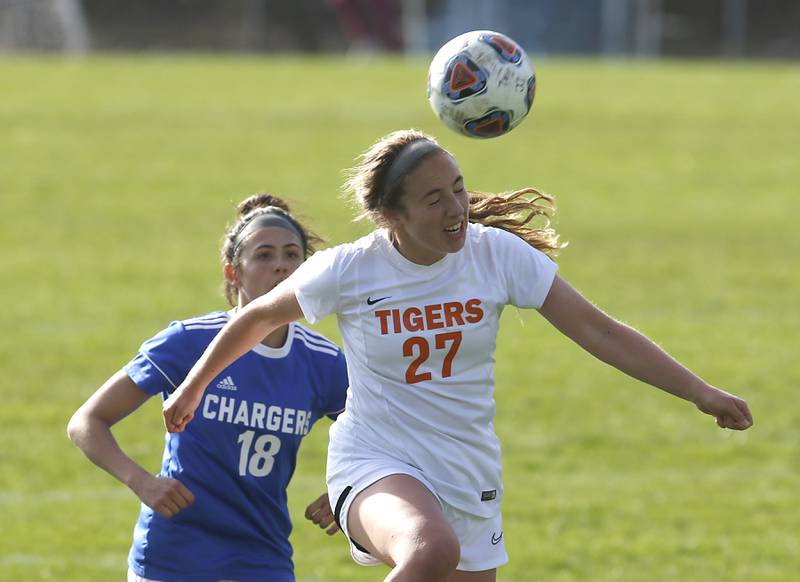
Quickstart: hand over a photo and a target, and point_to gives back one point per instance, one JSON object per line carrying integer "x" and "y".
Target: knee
{"x": 434, "y": 554}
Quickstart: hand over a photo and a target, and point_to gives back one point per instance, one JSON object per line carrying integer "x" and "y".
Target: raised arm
{"x": 634, "y": 354}
{"x": 244, "y": 331}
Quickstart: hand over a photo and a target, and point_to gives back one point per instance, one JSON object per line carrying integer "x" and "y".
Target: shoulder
{"x": 497, "y": 240}
{"x": 315, "y": 342}
{"x": 340, "y": 263}
{"x": 488, "y": 241}
{"x": 481, "y": 234}
{"x": 212, "y": 320}
{"x": 182, "y": 341}
{"x": 350, "y": 251}
{"x": 200, "y": 329}
{"x": 204, "y": 325}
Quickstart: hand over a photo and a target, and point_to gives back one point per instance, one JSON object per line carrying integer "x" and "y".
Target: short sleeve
{"x": 528, "y": 272}
{"x": 161, "y": 364}
{"x": 337, "y": 389}
{"x": 316, "y": 285}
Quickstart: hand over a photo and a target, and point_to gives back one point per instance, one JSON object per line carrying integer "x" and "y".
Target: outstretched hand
{"x": 179, "y": 408}
{"x": 730, "y": 411}
{"x": 319, "y": 511}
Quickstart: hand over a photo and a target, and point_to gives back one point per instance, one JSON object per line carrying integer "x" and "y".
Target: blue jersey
{"x": 238, "y": 453}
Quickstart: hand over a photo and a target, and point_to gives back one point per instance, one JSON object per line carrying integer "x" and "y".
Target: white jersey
{"x": 419, "y": 342}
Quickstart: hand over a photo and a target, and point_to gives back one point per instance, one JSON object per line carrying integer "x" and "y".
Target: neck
{"x": 413, "y": 252}
{"x": 277, "y": 338}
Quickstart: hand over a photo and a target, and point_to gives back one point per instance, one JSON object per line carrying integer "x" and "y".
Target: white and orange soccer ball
{"x": 481, "y": 84}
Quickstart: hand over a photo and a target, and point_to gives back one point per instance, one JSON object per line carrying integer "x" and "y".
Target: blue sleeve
{"x": 162, "y": 362}
{"x": 337, "y": 389}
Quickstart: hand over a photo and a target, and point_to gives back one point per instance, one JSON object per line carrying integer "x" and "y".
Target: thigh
{"x": 485, "y": 576}
{"x": 391, "y": 514}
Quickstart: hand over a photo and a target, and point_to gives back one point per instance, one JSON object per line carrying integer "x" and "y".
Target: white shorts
{"x": 481, "y": 539}
{"x": 134, "y": 577}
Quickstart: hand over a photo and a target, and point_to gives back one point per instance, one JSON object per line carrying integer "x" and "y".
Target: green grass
{"x": 677, "y": 190}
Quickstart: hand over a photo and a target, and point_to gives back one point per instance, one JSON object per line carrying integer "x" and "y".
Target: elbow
{"x": 75, "y": 426}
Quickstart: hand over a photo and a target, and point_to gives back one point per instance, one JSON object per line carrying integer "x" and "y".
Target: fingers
{"x": 319, "y": 512}
{"x": 737, "y": 416}
{"x": 316, "y": 505}
{"x": 740, "y": 423}
{"x": 180, "y": 425}
{"x": 167, "y": 507}
{"x": 745, "y": 410}
{"x": 170, "y": 415}
{"x": 728, "y": 410}
{"x": 323, "y": 517}
{"x": 173, "y": 425}
{"x": 178, "y": 410}
{"x": 169, "y": 425}
{"x": 168, "y": 497}
{"x": 182, "y": 492}
{"x": 175, "y": 420}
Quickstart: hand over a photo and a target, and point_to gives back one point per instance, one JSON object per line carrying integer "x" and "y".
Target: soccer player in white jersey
{"x": 217, "y": 510}
{"x": 413, "y": 464}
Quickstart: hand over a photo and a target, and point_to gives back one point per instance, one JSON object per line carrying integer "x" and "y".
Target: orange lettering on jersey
{"x": 474, "y": 309}
{"x": 429, "y": 317}
{"x": 412, "y": 319}
{"x": 396, "y": 320}
{"x": 383, "y": 314}
{"x": 452, "y": 314}
{"x": 433, "y": 317}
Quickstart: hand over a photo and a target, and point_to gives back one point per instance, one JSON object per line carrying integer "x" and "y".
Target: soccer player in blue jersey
{"x": 217, "y": 509}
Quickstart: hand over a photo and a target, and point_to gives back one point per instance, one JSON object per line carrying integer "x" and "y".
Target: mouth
{"x": 455, "y": 229}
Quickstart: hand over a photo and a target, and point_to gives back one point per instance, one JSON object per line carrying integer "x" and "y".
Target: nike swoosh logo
{"x": 496, "y": 539}
{"x": 371, "y": 301}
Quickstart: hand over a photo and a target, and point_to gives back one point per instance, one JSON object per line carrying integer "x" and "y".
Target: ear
{"x": 230, "y": 274}
{"x": 392, "y": 217}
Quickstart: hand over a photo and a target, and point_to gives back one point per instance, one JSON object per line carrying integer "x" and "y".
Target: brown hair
{"x": 512, "y": 212}
{"x": 247, "y": 210}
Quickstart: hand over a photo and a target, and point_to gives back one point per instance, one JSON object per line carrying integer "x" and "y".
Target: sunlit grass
{"x": 676, "y": 185}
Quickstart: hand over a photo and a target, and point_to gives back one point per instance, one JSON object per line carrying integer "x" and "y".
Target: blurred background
{"x": 711, "y": 28}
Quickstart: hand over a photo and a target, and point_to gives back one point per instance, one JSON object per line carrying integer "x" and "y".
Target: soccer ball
{"x": 481, "y": 84}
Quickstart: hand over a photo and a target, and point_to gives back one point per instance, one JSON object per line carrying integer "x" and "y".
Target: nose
{"x": 454, "y": 206}
{"x": 281, "y": 265}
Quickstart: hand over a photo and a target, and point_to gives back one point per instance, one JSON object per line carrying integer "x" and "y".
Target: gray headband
{"x": 265, "y": 220}
{"x": 407, "y": 159}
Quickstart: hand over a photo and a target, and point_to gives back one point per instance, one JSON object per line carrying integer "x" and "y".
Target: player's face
{"x": 433, "y": 221}
{"x": 270, "y": 255}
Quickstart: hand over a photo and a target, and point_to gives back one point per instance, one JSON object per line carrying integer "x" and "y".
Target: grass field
{"x": 677, "y": 187}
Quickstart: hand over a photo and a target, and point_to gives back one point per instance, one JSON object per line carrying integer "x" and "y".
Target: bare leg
{"x": 483, "y": 576}
{"x": 399, "y": 521}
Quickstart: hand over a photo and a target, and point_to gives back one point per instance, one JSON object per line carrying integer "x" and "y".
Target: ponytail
{"x": 513, "y": 213}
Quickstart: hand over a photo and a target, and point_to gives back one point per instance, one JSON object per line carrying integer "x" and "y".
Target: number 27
{"x": 422, "y": 345}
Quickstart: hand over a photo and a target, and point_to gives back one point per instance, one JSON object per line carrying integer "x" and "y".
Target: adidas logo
{"x": 227, "y": 384}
